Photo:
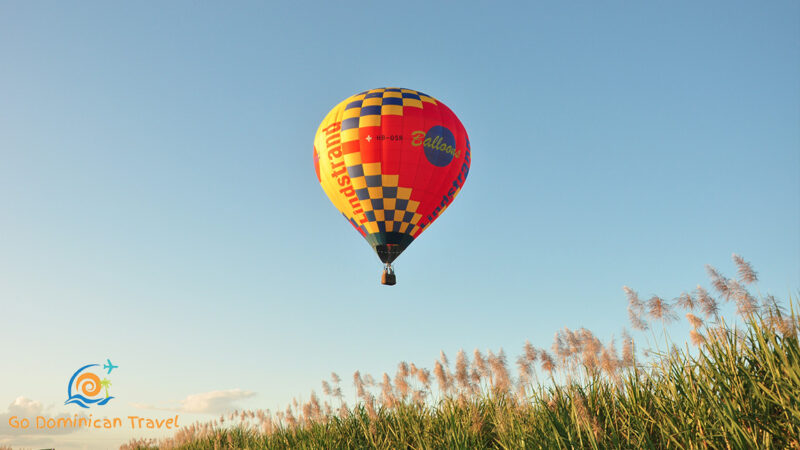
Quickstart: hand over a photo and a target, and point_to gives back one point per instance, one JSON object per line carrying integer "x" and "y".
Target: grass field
{"x": 735, "y": 386}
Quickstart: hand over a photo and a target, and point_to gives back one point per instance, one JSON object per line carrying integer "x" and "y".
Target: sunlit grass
{"x": 737, "y": 387}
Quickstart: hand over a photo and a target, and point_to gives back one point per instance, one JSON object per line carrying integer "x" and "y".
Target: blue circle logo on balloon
{"x": 440, "y": 146}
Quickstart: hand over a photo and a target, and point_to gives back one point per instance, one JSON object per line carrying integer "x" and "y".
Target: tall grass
{"x": 738, "y": 387}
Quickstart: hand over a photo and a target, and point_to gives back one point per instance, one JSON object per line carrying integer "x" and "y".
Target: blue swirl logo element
{"x": 84, "y": 388}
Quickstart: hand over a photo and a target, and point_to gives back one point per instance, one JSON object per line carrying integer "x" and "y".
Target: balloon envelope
{"x": 391, "y": 160}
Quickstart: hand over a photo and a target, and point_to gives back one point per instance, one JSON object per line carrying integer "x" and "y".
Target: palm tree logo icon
{"x": 105, "y": 383}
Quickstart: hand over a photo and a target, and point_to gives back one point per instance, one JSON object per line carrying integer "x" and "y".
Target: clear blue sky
{"x": 158, "y": 203}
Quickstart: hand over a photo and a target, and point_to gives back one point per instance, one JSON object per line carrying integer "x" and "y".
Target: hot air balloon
{"x": 391, "y": 160}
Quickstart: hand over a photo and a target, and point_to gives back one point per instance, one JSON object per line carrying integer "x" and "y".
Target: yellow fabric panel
{"x": 375, "y": 192}
{"x": 390, "y": 180}
{"x": 352, "y": 159}
{"x": 358, "y": 182}
{"x": 389, "y": 226}
{"x": 389, "y": 203}
{"x": 403, "y": 227}
{"x": 393, "y": 94}
{"x": 366, "y": 205}
{"x": 398, "y": 215}
{"x": 372, "y": 101}
{"x": 372, "y": 169}
{"x": 372, "y": 120}
{"x": 392, "y": 110}
{"x": 416, "y": 218}
{"x": 372, "y": 227}
{"x": 350, "y": 135}
{"x": 404, "y": 193}
{"x": 350, "y": 113}
{"x": 412, "y": 206}
{"x": 412, "y": 102}
{"x": 379, "y": 216}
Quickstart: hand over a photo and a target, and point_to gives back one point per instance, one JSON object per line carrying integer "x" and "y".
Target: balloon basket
{"x": 388, "y": 278}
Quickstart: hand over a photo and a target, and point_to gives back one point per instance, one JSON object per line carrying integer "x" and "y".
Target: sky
{"x": 159, "y": 207}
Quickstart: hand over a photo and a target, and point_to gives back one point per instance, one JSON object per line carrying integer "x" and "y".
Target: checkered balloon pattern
{"x": 391, "y": 160}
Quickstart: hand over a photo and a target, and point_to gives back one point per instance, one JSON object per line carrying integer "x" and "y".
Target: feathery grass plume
{"x": 344, "y": 411}
{"x": 609, "y": 361}
{"x": 444, "y": 360}
{"x": 522, "y": 392}
{"x": 441, "y": 377}
{"x": 633, "y": 299}
{"x": 530, "y": 352}
{"x": 502, "y": 382}
{"x": 746, "y": 273}
{"x": 359, "y": 383}
{"x": 291, "y": 421}
{"x": 628, "y": 350}
{"x": 787, "y": 327}
{"x": 694, "y": 321}
{"x": 660, "y": 309}
{"x": 697, "y": 338}
{"x": 707, "y": 303}
{"x": 479, "y": 364}
{"x": 574, "y": 341}
{"x": 719, "y": 282}
{"x": 316, "y": 410}
{"x": 589, "y": 343}
{"x": 424, "y": 377}
{"x": 403, "y": 369}
{"x": 771, "y": 306}
{"x": 524, "y": 368}
{"x": 326, "y": 388}
{"x": 369, "y": 380}
{"x": 462, "y": 371}
{"x": 776, "y": 317}
{"x": 400, "y": 380}
{"x": 337, "y": 385}
{"x": 636, "y": 320}
{"x": 448, "y": 375}
{"x": 387, "y": 392}
{"x": 586, "y": 348}
{"x": 560, "y": 348}
{"x": 635, "y": 309}
{"x": 475, "y": 378}
{"x": 306, "y": 415}
{"x": 685, "y": 301}
{"x": 268, "y": 425}
{"x": 546, "y": 361}
{"x": 369, "y": 405}
{"x": 746, "y": 304}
